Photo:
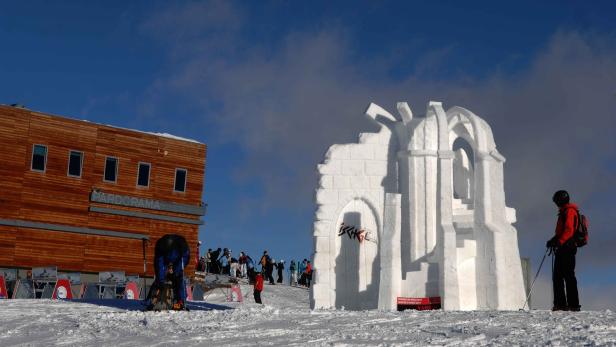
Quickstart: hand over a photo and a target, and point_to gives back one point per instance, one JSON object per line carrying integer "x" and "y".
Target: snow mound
{"x": 286, "y": 320}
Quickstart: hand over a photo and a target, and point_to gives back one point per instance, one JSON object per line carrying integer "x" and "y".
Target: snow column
{"x": 447, "y": 235}
{"x": 389, "y": 288}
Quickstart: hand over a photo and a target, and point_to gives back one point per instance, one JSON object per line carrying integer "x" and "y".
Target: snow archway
{"x": 357, "y": 257}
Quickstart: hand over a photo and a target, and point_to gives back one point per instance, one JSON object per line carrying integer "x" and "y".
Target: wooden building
{"x": 88, "y": 197}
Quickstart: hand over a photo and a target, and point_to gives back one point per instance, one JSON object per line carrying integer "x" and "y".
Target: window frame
{"x": 117, "y": 168}
{"x": 44, "y": 160}
{"x": 149, "y": 174}
{"x": 68, "y": 166}
{"x": 175, "y": 177}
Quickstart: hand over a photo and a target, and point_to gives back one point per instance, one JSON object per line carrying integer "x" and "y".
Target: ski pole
{"x": 537, "y": 275}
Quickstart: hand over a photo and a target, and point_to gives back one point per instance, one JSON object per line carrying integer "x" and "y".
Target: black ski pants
{"x": 279, "y": 276}
{"x": 563, "y": 277}
{"x": 257, "y": 295}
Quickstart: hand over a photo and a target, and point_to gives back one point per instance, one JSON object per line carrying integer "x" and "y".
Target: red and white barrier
{"x": 62, "y": 289}
{"x": 189, "y": 295}
{"x": 131, "y": 292}
{"x": 235, "y": 294}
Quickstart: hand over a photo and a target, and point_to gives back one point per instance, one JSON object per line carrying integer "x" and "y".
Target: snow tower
{"x": 416, "y": 210}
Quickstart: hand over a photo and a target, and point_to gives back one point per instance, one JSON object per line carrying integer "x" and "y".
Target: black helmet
{"x": 561, "y": 198}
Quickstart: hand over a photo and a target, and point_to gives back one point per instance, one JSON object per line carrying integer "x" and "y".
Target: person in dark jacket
{"x": 270, "y": 271}
{"x": 250, "y": 269}
{"x": 564, "y": 254}
{"x": 280, "y": 268}
{"x": 214, "y": 264}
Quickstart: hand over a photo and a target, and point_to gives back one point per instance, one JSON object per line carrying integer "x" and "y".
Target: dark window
{"x": 111, "y": 169}
{"x": 39, "y": 157}
{"x": 180, "y": 180}
{"x": 143, "y": 176}
{"x": 75, "y": 160}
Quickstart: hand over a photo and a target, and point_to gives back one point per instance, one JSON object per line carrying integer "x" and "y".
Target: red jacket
{"x": 259, "y": 283}
{"x": 567, "y": 221}
{"x": 309, "y": 268}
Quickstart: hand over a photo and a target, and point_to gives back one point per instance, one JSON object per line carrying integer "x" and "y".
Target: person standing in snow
{"x": 242, "y": 261}
{"x": 215, "y": 263}
{"x": 235, "y": 266}
{"x": 224, "y": 262}
{"x": 308, "y": 273}
{"x": 280, "y": 268}
{"x": 201, "y": 265}
{"x": 293, "y": 274}
{"x": 564, "y": 253}
{"x": 197, "y": 258}
{"x": 270, "y": 271}
{"x": 208, "y": 260}
{"x": 258, "y": 288}
{"x": 265, "y": 259}
{"x": 250, "y": 269}
{"x": 302, "y": 273}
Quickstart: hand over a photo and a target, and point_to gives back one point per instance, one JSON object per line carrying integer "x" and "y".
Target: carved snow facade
{"x": 428, "y": 195}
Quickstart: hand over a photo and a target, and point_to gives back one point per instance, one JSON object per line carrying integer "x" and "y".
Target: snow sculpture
{"x": 416, "y": 210}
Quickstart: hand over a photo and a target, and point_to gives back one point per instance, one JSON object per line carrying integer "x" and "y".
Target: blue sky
{"x": 270, "y": 85}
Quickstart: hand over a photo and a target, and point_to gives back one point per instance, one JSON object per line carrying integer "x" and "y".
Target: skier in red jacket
{"x": 258, "y": 287}
{"x": 564, "y": 254}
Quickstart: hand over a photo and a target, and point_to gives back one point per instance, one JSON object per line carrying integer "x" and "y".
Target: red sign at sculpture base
{"x": 420, "y": 304}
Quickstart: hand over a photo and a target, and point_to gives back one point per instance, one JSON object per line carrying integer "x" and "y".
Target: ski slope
{"x": 286, "y": 320}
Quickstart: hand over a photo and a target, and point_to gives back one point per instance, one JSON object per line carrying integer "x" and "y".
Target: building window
{"x": 180, "y": 180}
{"x": 111, "y": 169}
{"x": 143, "y": 175}
{"x": 39, "y": 158}
{"x": 75, "y": 162}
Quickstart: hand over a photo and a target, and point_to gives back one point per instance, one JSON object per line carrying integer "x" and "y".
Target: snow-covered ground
{"x": 286, "y": 320}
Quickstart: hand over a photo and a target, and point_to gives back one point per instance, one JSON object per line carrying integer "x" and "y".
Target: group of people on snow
{"x": 222, "y": 261}
{"x": 297, "y": 270}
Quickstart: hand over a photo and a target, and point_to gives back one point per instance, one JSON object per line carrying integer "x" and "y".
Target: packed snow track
{"x": 286, "y": 320}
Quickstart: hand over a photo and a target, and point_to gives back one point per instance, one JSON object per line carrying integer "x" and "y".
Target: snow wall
{"x": 416, "y": 210}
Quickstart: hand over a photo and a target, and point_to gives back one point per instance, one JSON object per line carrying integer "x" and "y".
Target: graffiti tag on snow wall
{"x": 357, "y": 233}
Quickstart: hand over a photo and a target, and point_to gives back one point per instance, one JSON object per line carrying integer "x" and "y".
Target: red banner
{"x": 131, "y": 292}
{"x": 3, "y": 293}
{"x": 62, "y": 289}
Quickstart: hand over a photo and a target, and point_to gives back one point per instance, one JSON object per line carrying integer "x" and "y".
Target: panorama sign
{"x": 124, "y": 200}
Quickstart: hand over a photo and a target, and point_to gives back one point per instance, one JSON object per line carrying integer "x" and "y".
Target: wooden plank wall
{"x": 54, "y": 197}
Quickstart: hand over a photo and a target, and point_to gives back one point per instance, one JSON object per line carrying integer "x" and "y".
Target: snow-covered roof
{"x": 174, "y": 137}
{"x": 166, "y": 135}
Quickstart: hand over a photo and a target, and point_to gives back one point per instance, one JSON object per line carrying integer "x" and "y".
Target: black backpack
{"x": 580, "y": 235}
